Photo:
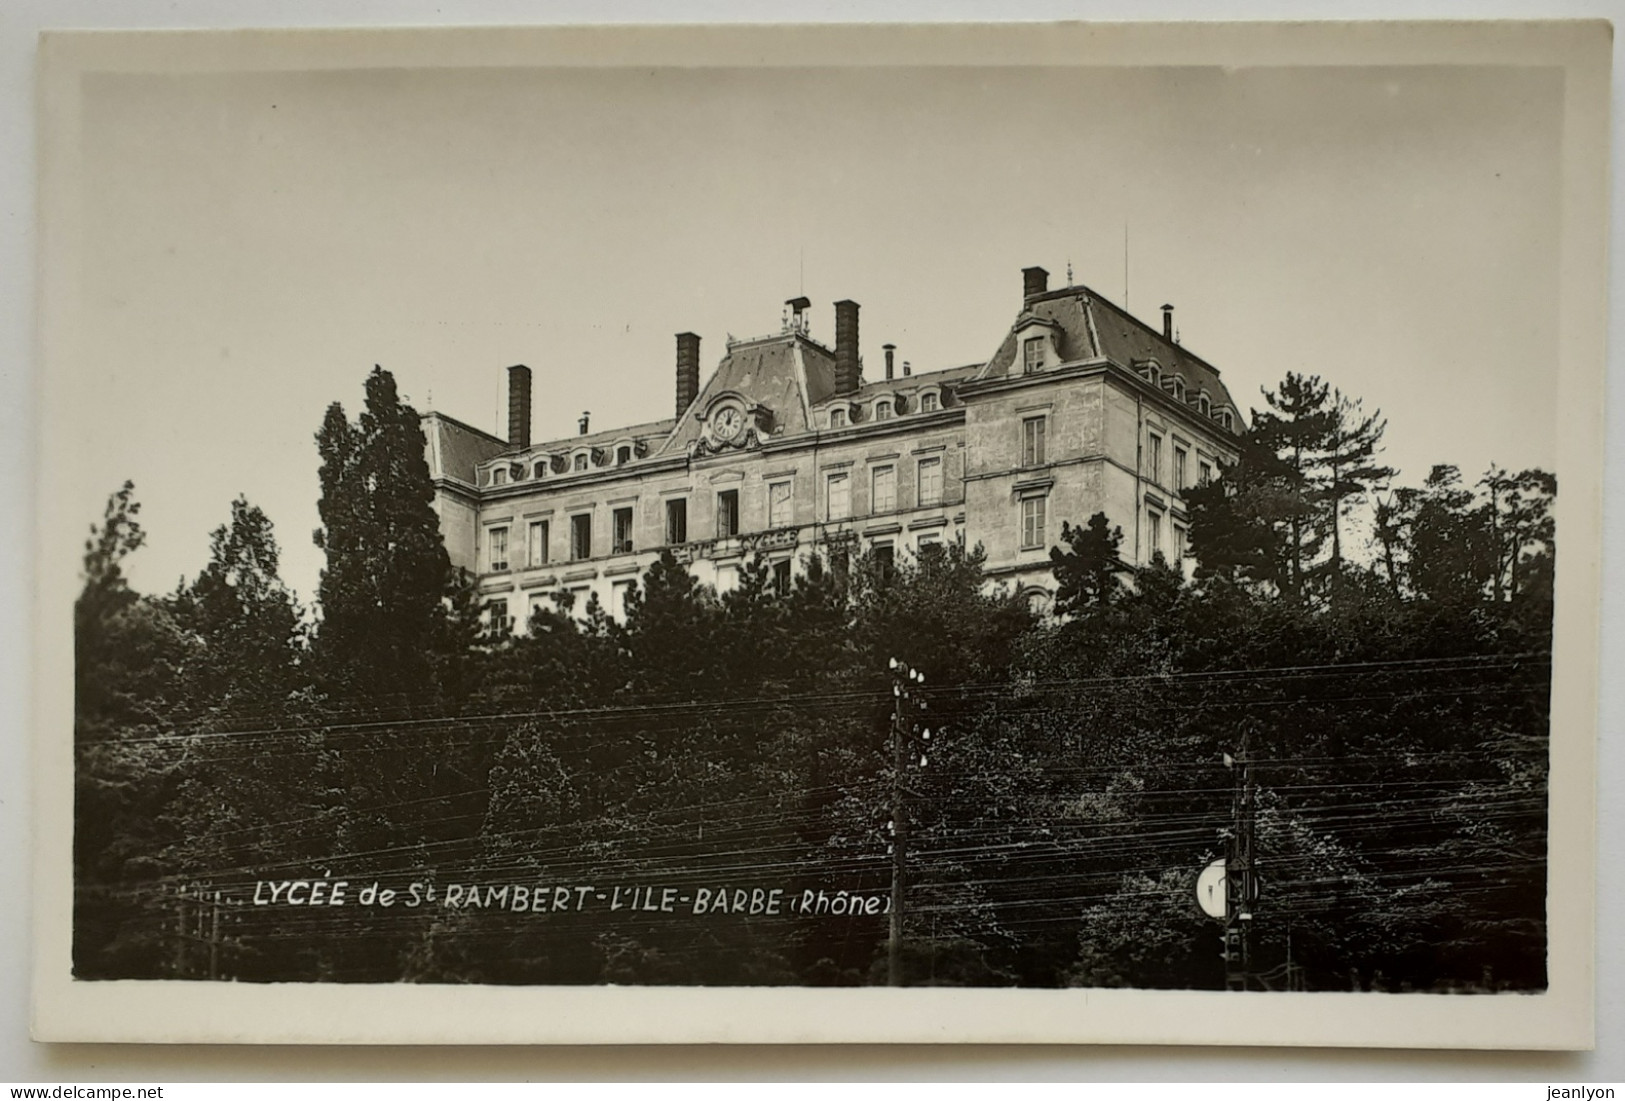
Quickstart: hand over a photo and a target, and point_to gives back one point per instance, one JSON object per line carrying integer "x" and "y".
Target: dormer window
{"x": 1204, "y": 405}
{"x": 928, "y": 403}
{"x": 1178, "y": 388}
{"x": 883, "y": 410}
{"x": 1032, "y": 355}
{"x": 499, "y": 476}
{"x": 1149, "y": 372}
{"x": 837, "y": 418}
{"x": 623, "y": 454}
{"x": 580, "y": 462}
{"x": 539, "y": 470}
{"x": 1227, "y": 419}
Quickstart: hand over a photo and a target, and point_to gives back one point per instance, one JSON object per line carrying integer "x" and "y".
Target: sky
{"x": 256, "y": 241}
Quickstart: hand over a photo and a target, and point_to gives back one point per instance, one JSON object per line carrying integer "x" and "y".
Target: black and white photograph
{"x": 815, "y": 512}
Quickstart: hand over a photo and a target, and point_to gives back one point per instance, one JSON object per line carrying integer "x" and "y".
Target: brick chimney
{"x": 688, "y": 371}
{"x": 1033, "y": 281}
{"x": 1167, "y": 322}
{"x": 519, "y": 406}
{"x": 848, "y": 372}
{"x": 890, "y": 350}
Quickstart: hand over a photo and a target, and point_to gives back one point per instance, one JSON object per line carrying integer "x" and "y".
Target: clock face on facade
{"x": 728, "y": 422}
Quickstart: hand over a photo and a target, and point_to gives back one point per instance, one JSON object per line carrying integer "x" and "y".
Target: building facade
{"x": 787, "y": 449}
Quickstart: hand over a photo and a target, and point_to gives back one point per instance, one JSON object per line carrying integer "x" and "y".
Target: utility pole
{"x": 1241, "y": 882}
{"x": 905, "y": 725}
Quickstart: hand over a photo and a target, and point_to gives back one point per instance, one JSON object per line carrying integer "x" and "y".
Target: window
{"x": 1179, "y": 468}
{"x": 499, "y": 548}
{"x": 581, "y": 535}
{"x": 1032, "y": 522}
{"x": 778, "y": 504}
{"x": 883, "y": 486}
{"x": 619, "y": 591}
{"x": 885, "y": 556}
{"x": 928, "y": 403}
{"x": 1154, "y": 531}
{"x": 1227, "y": 420}
{"x": 1179, "y": 388}
{"x": 727, "y": 513}
{"x": 930, "y": 481}
{"x": 781, "y": 577}
{"x": 623, "y": 454}
{"x": 499, "y": 476}
{"x": 883, "y": 411}
{"x": 496, "y": 618}
{"x": 1204, "y": 405}
{"x": 1032, "y": 441}
{"x": 539, "y": 470}
{"x": 580, "y": 462}
{"x": 538, "y": 543}
{"x": 621, "y": 518}
{"x": 1032, "y": 354}
{"x": 837, "y": 418}
{"x": 677, "y": 520}
{"x": 1205, "y": 474}
{"x": 929, "y": 543}
{"x": 538, "y": 605}
{"x": 838, "y": 497}
{"x": 1153, "y": 458}
{"x": 1179, "y": 541}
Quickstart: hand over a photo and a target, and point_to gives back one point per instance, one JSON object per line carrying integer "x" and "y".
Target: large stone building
{"x": 787, "y": 447}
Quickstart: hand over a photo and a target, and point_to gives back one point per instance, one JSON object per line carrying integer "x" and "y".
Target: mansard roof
{"x": 787, "y": 373}
{"x": 1087, "y": 326}
{"x": 456, "y": 449}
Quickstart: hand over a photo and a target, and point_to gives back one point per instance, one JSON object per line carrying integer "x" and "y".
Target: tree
{"x": 1238, "y": 521}
{"x": 1298, "y": 428}
{"x": 244, "y": 616}
{"x": 1349, "y": 467}
{"x": 1086, "y": 572}
{"x": 387, "y": 577}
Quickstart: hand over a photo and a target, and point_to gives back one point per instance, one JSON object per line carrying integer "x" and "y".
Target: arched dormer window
{"x": 1178, "y": 388}
{"x": 540, "y": 469}
{"x": 499, "y": 475}
{"x": 837, "y": 418}
{"x": 1227, "y": 419}
{"x": 883, "y": 410}
{"x": 579, "y": 462}
{"x": 1149, "y": 372}
{"x": 930, "y": 403}
{"x": 1203, "y": 404}
{"x": 623, "y": 454}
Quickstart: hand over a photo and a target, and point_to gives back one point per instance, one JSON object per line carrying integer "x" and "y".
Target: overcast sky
{"x": 256, "y": 242}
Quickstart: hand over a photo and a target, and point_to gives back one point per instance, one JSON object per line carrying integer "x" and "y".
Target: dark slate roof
{"x": 905, "y": 383}
{"x": 455, "y": 448}
{"x": 651, "y": 431}
{"x": 787, "y": 373}
{"x": 1089, "y": 326}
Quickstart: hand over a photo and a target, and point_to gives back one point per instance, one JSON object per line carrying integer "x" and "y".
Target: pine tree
{"x": 387, "y": 577}
{"x": 1298, "y": 428}
{"x": 1349, "y": 467}
{"x": 1086, "y": 572}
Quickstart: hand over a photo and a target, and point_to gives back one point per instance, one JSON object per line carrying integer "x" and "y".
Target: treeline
{"x": 1390, "y": 700}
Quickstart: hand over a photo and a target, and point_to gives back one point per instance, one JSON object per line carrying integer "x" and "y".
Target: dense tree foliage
{"x": 1376, "y": 655}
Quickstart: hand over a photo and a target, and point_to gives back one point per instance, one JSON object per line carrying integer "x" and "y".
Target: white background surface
{"x": 20, "y": 1060}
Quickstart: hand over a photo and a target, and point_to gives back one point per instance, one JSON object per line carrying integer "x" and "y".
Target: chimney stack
{"x": 889, "y": 349}
{"x": 848, "y": 371}
{"x": 1167, "y": 322}
{"x": 688, "y": 371}
{"x": 906, "y": 370}
{"x": 581, "y": 424}
{"x": 519, "y": 406}
{"x": 1033, "y": 281}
